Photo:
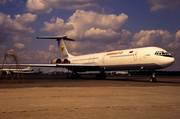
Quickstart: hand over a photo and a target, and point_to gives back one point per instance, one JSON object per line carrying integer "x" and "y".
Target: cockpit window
{"x": 163, "y": 53}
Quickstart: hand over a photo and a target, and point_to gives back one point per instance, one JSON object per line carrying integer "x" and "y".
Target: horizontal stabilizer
{"x": 55, "y": 37}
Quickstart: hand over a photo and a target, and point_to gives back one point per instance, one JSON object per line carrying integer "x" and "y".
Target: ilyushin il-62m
{"x": 146, "y": 58}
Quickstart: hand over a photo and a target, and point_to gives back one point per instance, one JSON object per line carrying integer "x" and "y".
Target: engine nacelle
{"x": 66, "y": 61}
{"x": 55, "y": 61}
{"x": 59, "y": 61}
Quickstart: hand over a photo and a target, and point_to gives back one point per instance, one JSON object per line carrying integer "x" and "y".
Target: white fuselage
{"x": 130, "y": 59}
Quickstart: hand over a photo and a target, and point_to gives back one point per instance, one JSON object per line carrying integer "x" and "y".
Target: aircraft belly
{"x": 83, "y": 69}
{"x": 150, "y": 66}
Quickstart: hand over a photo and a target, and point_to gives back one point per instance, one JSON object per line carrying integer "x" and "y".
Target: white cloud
{"x": 176, "y": 43}
{"x": 177, "y": 36}
{"x": 25, "y": 18}
{"x": 53, "y": 19}
{"x": 17, "y": 25}
{"x": 18, "y": 38}
{"x": 153, "y": 37}
{"x": 36, "y": 56}
{"x": 46, "y": 6}
{"x": 2, "y": 48}
{"x": 114, "y": 46}
{"x": 59, "y": 27}
{"x": 52, "y": 48}
{"x": 10, "y": 27}
{"x": 39, "y": 6}
{"x": 163, "y": 4}
{"x": 86, "y": 20}
{"x": 84, "y": 47}
{"x": 19, "y": 45}
{"x": 91, "y": 28}
{"x": 5, "y": 1}
{"x": 88, "y": 25}
{"x": 126, "y": 37}
{"x": 109, "y": 36}
{"x": 122, "y": 42}
{"x": 100, "y": 34}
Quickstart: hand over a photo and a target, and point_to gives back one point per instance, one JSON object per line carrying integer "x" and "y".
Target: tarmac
{"x": 120, "y": 97}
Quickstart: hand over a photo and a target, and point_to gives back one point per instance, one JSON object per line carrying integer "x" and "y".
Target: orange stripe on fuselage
{"x": 114, "y": 53}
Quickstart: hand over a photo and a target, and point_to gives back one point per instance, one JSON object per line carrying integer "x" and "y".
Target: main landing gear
{"x": 153, "y": 77}
{"x": 101, "y": 75}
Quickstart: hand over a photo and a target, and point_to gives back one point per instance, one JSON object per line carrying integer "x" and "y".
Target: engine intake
{"x": 66, "y": 61}
{"x": 59, "y": 61}
{"x": 55, "y": 61}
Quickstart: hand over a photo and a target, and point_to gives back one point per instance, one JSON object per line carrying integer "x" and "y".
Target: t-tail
{"x": 64, "y": 54}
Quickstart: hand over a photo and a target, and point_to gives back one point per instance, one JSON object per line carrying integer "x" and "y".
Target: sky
{"x": 96, "y": 26}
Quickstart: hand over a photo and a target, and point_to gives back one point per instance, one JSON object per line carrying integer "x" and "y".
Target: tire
{"x": 151, "y": 80}
{"x": 154, "y": 79}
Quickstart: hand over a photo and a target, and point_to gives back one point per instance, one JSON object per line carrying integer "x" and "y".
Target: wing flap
{"x": 80, "y": 67}
{"x": 72, "y": 67}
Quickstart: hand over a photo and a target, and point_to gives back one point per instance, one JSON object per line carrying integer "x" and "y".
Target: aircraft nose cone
{"x": 169, "y": 61}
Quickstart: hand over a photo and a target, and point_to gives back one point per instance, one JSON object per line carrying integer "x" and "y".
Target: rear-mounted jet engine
{"x": 55, "y": 61}
{"x": 59, "y": 61}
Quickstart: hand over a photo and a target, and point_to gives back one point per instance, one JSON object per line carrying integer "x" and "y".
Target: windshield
{"x": 163, "y": 53}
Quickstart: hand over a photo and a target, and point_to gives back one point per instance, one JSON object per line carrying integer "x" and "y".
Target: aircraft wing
{"x": 72, "y": 67}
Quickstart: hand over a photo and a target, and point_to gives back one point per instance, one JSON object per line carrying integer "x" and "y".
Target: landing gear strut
{"x": 153, "y": 77}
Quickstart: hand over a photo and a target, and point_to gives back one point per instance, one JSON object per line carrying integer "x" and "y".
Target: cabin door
{"x": 135, "y": 56}
{"x": 103, "y": 59}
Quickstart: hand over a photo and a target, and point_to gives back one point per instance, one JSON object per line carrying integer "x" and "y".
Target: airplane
{"x": 17, "y": 70}
{"x": 145, "y": 58}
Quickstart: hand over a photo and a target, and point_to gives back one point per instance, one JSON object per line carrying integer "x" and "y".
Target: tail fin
{"x": 64, "y": 54}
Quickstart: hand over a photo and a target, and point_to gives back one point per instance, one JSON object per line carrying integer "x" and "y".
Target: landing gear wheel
{"x": 152, "y": 79}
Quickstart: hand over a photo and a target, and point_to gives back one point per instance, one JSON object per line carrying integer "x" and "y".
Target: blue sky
{"x": 96, "y": 25}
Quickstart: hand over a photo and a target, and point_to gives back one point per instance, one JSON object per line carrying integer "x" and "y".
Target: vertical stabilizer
{"x": 62, "y": 48}
{"x": 64, "y": 54}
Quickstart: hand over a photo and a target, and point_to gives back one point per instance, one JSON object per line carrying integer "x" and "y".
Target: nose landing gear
{"x": 153, "y": 77}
